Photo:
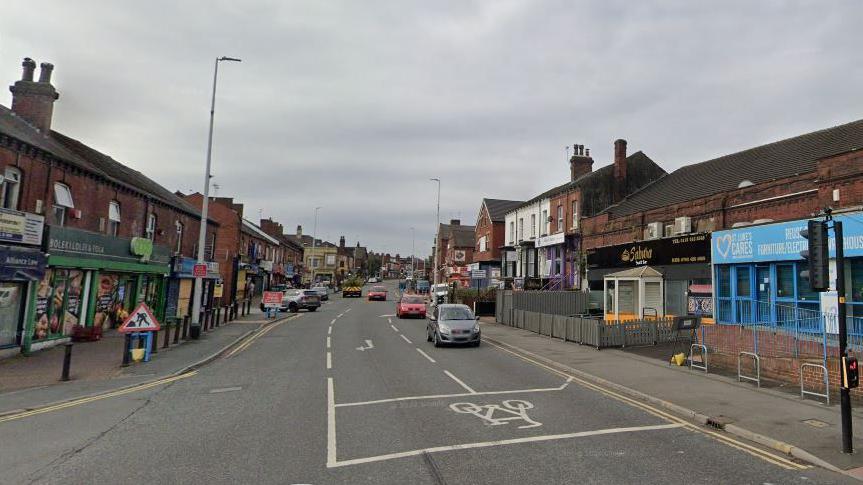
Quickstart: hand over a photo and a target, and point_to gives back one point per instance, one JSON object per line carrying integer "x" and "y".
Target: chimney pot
{"x": 455, "y": 222}
{"x": 45, "y": 72}
{"x": 587, "y": 152}
{"x": 29, "y": 66}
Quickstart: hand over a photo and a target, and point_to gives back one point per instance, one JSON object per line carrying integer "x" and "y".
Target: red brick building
{"x": 111, "y": 233}
{"x": 489, "y": 234}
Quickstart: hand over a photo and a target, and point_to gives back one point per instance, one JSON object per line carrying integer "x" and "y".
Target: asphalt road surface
{"x": 351, "y": 394}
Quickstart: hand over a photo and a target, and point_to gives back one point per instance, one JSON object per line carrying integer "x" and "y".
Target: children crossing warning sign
{"x": 140, "y": 320}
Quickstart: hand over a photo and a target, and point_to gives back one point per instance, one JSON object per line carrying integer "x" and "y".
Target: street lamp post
{"x": 413, "y": 251}
{"x": 195, "y": 327}
{"x": 314, "y": 244}
{"x": 436, "y": 231}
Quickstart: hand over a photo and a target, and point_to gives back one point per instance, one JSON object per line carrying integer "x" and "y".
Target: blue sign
{"x": 21, "y": 263}
{"x": 183, "y": 268}
{"x": 289, "y": 270}
{"x": 780, "y": 242}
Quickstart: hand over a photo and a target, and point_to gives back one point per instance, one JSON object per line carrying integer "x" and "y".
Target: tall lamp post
{"x": 195, "y": 327}
{"x": 314, "y": 243}
{"x": 413, "y": 251}
{"x": 436, "y": 231}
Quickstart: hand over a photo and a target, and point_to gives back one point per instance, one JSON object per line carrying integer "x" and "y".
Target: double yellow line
{"x": 752, "y": 450}
{"x": 85, "y": 400}
{"x": 249, "y": 341}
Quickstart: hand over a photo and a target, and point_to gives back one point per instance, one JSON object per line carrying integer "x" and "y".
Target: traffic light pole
{"x": 844, "y": 391}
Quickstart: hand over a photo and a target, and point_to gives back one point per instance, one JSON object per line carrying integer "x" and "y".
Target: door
{"x": 11, "y": 310}
{"x": 762, "y": 293}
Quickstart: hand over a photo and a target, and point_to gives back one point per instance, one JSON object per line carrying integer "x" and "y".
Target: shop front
{"x": 247, "y": 274}
{"x": 94, "y": 280}
{"x": 758, "y": 274}
{"x": 20, "y": 271}
{"x": 178, "y": 295}
{"x": 682, "y": 261}
{"x": 553, "y": 250}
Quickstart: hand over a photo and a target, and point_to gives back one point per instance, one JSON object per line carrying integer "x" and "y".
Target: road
{"x": 351, "y": 394}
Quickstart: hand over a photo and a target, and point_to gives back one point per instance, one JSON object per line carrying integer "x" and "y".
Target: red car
{"x": 378, "y": 293}
{"x": 411, "y": 306}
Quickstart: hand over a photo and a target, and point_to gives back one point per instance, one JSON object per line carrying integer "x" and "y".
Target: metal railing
{"x": 804, "y": 392}
{"x": 702, "y": 365}
{"x": 756, "y": 362}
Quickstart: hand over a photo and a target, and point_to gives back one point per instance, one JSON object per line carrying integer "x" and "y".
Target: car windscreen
{"x": 412, "y": 299}
{"x": 455, "y": 313}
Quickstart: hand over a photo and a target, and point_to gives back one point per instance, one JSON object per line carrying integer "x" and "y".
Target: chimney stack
{"x": 619, "y": 169}
{"x": 580, "y": 164}
{"x": 342, "y": 242}
{"x": 299, "y": 230}
{"x": 34, "y": 101}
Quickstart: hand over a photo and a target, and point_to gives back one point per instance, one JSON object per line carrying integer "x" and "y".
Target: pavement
{"x": 782, "y": 420}
{"x": 351, "y": 394}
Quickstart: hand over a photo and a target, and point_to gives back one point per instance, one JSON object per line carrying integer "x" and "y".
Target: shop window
{"x": 627, "y": 294}
{"x": 59, "y": 302}
{"x": 723, "y": 277}
{"x": 744, "y": 288}
{"x": 804, "y": 290}
{"x": 609, "y": 297}
{"x": 10, "y": 188}
{"x": 113, "y": 218}
{"x": 785, "y": 281}
{"x": 150, "y": 231}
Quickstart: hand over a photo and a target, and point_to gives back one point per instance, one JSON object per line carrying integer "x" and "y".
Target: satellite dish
{"x": 745, "y": 183}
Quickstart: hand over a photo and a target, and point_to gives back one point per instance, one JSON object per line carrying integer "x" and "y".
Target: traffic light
{"x": 850, "y": 373}
{"x": 817, "y": 256}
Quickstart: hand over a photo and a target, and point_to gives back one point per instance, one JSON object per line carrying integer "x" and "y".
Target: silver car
{"x": 453, "y": 324}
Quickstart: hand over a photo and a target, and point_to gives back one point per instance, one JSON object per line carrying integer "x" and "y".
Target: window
{"x": 9, "y": 188}
{"x": 62, "y": 201}
{"x": 724, "y": 277}
{"x": 804, "y": 290}
{"x": 545, "y": 222}
{"x": 744, "y": 288}
{"x": 532, "y": 225}
{"x": 575, "y": 214}
{"x": 483, "y": 245}
{"x": 178, "y": 246}
{"x": 559, "y": 217}
{"x": 150, "y": 231}
{"x": 113, "y": 218}
{"x": 520, "y": 228}
{"x": 785, "y": 281}
{"x": 512, "y": 232}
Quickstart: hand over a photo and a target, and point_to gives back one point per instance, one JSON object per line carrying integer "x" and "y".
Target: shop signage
{"x": 781, "y": 242}
{"x": 199, "y": 270}
{"x": 268, "y": 265}
{"x": 550, "y": 240}
{"x": 68, "y": 242}
{"x": 289, "y": 270}
{"x": 218, "y": 290}
{"x": 272, "y": 299}
{"x": 686, "y": 249}
{"x": 21, "y": 227}
{"x": 185, "y": 267}
{"x": 478, "y": 274}
{"x": 21, "y": 264}
{"x": 142, "y": 247}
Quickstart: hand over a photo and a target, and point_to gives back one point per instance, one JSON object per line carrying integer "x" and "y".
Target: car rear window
{"x": 379, "y": 288}
{"x": 310, "y": 293}
{"x": 412, "y": 299}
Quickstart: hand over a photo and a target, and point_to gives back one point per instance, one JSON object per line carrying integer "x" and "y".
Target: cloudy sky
{"x": 353, "y": 105}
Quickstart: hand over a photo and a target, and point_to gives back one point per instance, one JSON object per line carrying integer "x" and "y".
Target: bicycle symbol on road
{"x": 497, "y": 414}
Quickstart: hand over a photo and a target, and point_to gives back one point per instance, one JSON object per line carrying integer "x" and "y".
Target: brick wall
{"x": 493, "y": 232}
{"x": 227, "y": 241}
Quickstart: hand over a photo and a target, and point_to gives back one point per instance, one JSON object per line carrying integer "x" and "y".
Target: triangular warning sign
{"x": 140, "y": 320}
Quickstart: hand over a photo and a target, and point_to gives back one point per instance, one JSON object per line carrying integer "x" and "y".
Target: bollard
{"x": 67, "y": 361}
{"x": 127, "y": 343}
{"x": 167, "y": 336}
{"x": 154, "y": 343}
{"x": 177, "y": 326}
{"x": 218, "y": 316}
{"x": 227, "y": 309}
{"x": 186, "y": 327}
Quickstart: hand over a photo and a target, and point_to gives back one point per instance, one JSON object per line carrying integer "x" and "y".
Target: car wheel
{"x": 476, "y": 344}
{"x": 293, "y": 308}
{"x": 311, "y": 309}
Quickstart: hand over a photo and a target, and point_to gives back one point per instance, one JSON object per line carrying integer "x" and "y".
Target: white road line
{"x": 390, "y": 320}
{"x": 330, "y": 330}
{"x": 512, "y": 441}
{"x": 329, "y": 342}
{"x": 331, "y": 424}
{"x": 427, "y": 356}
{"x": 405, "y": 338}
{"x": 333, "y": 322}
{"x": 462, "y": 384}
{"x": 347, "y": 311}
{"x": 394, "y": 328}
{"x": 462, "y": 394}
{"x": 329, "y": 360}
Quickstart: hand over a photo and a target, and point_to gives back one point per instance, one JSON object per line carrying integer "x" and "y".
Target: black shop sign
{"x": 686, "y": 249}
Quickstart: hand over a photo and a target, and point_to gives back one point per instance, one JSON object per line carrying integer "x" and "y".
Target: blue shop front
{"x": 757, "y": 275}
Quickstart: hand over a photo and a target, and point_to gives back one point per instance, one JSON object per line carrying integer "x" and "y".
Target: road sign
{"x": 478, "y": 274}
{"x": 140, "y": 320}
{"x": 199, "y": 270}
{"x": 272, "y": 299}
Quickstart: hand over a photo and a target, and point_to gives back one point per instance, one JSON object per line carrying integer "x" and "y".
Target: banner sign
{"x": 550, "y": 240}
{"x": 21, "y": 264}
{"x": 781, "y": 242}
{"x": 21, "y": 227}
{"x": 684, "y": 249}
{"x": 65, "y": 241}
{"x": 272, "y": 299}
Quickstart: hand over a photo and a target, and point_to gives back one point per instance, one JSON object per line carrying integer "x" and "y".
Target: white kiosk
{"x": 634, "y": 294}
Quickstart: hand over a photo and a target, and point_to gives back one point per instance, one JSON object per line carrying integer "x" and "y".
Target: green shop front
{"x": 94, "y": 280}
